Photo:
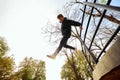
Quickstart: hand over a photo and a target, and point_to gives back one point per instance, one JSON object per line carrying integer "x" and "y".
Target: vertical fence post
{"x": 89, "y": 21}
{"x": 83, "y": 17}
{"x": 99, "y": 25}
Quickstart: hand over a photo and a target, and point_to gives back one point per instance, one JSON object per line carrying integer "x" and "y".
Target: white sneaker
{"x": 52, "y": 56}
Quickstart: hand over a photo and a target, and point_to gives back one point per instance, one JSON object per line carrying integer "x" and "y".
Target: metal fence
{"x": 83, "y": 41}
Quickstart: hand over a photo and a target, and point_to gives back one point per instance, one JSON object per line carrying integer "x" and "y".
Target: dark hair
{"x": 60, "y": 15}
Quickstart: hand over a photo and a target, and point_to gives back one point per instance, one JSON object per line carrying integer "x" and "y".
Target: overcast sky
{"x": 20, "y": 24}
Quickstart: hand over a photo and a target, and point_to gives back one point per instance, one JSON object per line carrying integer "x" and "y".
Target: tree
{"x": 75, "y": 68}
{"x": 40, "y": 71}
{"x": 6, "y": 67}
{"x": 103, "y": 1}
{"x": 31, "y": 69}
{"x": 3, "y": 47}
{"x": 6, "y": 62}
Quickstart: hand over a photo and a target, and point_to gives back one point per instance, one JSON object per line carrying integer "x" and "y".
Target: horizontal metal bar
{"x": 108, "y": 7}
{"x": 109, "y": 41}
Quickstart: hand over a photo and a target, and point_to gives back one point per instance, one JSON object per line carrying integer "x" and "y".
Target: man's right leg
{"x": 62, "y": 43}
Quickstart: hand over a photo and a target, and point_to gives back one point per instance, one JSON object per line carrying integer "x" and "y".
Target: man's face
{"x": 61, "y": 19}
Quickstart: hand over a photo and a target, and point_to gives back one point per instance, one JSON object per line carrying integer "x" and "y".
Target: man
{"x": 66, "y": 32}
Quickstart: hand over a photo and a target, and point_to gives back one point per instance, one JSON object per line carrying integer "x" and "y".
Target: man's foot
{"x": 52, "y": 56}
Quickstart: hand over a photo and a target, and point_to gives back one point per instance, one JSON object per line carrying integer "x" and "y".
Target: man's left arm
{"x": 75, "y": 23}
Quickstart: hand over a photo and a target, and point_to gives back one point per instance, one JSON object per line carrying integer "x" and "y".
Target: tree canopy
{"x": 75, "y": 65}
{"x": 29, "y": 68}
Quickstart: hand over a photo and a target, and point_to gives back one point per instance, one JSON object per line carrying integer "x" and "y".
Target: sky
{"x": 20, "y": 24}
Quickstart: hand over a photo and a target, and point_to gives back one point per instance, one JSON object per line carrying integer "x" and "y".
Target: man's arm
{"x": 75, "y": 23}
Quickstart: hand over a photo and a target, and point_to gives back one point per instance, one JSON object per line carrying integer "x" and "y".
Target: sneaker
{"x": 51, "y": 56}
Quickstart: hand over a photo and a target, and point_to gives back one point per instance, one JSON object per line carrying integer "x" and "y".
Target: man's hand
{"x": 81, "y": 27}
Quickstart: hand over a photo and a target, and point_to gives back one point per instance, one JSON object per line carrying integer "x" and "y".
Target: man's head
{"x": 60, "y": 17}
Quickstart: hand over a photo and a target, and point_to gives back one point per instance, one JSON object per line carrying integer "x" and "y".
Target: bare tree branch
{"x": 110, "y": 18}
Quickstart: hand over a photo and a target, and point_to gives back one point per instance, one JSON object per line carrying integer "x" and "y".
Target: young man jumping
{"x": 66, "y": 33}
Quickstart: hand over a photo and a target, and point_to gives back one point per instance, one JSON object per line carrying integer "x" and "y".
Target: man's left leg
{"x": 62, "y": 44}
{"x": 70, "y": 47}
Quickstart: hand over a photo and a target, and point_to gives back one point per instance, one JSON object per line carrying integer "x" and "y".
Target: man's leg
{"x": 70, "y": 47}
{"x": 62, "y": 44}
